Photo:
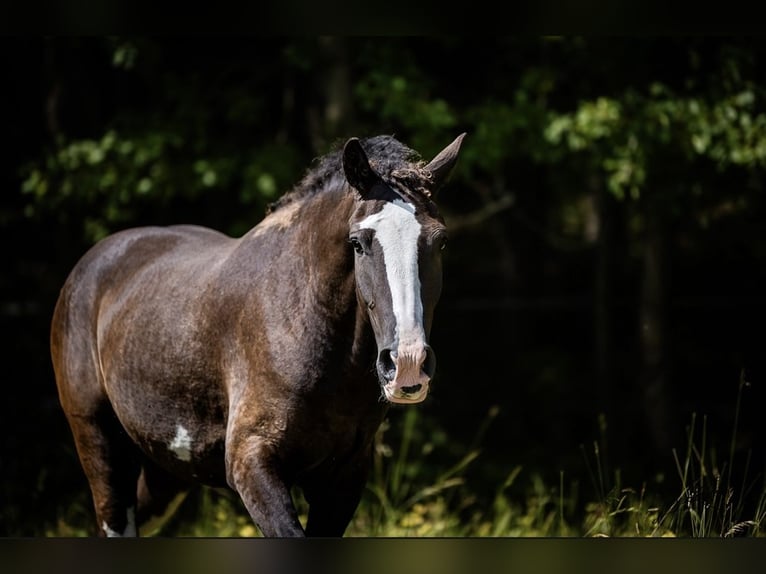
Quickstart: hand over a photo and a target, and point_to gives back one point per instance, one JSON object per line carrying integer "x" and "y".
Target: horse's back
{"x": 134, "y": 248}
{"x": 111, "y": 263}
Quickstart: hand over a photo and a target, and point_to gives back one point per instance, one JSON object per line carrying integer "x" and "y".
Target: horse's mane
{"x": 397, "y": 164}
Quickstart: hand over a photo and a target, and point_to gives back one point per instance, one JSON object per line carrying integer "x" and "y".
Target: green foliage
{"x": 415, "y": 492}
{"x": 108, "y": 177}
{"x": 124, "y": 53}
{"x": 117, "y": 177}
{"x": 402, "y": 100}
{"x": 629, "y": 137}
{"x": 411, "y": 494}
{"x": 208, "y": 512}
{"x": 194, "y": 148}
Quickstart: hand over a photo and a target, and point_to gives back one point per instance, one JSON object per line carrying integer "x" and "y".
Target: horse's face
{"x": 398, "y": 278}
{"x": 397, "y": 237}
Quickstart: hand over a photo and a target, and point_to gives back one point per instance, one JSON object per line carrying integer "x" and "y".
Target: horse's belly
{"x": 182, "y": 428}
{"x": 188, "y": 455}
{"x": 187, "y": 449}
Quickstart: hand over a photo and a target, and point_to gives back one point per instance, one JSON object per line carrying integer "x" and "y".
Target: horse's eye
{"x": 442, "y": 244}
{"x": 356, "y": 245}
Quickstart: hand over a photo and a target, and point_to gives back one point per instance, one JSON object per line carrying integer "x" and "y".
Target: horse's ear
{"x": 357, "y": 167}
{"x": 441, "y": 165}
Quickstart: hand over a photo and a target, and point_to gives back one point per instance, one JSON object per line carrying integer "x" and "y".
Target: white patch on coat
{"x": 130, "y": 526}
{"x": 181, "y": 444}
{"x": 397, "y": 231}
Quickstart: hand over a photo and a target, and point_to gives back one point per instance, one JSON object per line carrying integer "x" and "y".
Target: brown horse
{"x": 185, "y": 356}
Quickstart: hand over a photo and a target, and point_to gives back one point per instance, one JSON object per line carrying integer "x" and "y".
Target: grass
{"x": 415, "y": 490}
{"x": 710, "y": 503}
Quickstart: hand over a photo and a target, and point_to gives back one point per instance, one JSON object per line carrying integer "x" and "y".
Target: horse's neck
{"x": 302, "y": 250}
{"x": 330, "y": 257}
{"x": 304, "y": 258}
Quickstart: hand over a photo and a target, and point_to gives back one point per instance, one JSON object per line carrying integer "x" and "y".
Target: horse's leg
{"x": 111, "y": 465}
{"x": 159, "y": 496}
{"x": 252, "y": 471}
{"x": 332, "y": 502}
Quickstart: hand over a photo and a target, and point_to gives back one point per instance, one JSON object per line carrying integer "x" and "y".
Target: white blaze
{"x": 181, "y": 444}
{"x": 397, "y": 231}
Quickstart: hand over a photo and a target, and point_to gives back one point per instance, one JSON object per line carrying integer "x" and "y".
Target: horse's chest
{"x": 325, "y": 443}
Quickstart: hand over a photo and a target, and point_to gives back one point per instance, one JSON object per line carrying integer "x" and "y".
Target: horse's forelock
{"x": 398, "y": 165}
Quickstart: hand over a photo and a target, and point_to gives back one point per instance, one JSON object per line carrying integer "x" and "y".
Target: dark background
{"x": 605, "y": 276}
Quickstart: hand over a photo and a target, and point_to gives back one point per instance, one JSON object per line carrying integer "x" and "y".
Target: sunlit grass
{"x": 524, "y": 505}
{"x": 413, "y": 493}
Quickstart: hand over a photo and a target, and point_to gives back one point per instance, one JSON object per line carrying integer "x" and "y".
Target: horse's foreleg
{"x": 332, "y": 502}
{"x": 253, "y": 472}
{"x": 111, "y": 465}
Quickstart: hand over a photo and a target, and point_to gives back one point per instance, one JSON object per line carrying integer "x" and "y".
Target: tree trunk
{"x": 605, "y": 239}
{"x": 333, "y": 83}
{"x": 653, "y": 324}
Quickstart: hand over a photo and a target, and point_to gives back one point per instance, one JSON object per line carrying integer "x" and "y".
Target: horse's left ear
{"x": 357, "y": 168}
{"x": 441, "y": 165}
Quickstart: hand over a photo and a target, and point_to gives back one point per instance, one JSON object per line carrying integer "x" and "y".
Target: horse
{"x": 185, "y": 356}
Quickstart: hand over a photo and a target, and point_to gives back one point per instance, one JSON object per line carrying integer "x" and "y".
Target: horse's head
{"x": 397, "y": 235}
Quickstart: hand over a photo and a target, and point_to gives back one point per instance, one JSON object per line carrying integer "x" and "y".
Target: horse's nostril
{"x": 429, "y": 364}
{"x": 386, "y": 365}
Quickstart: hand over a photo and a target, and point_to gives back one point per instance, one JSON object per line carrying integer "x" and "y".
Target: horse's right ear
{"x": 357, "y": 168}
{"x": 441, "y": 166}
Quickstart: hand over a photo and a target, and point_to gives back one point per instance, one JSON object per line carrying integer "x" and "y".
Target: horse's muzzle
{"x": 406, "y": 374}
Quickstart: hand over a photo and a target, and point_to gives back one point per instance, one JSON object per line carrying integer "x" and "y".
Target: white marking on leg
{"x": 130, "y": 526}
{"x": 397, "y": 230}
{"x": 181, "y": 444}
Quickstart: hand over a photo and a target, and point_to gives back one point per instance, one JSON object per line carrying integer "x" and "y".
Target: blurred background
{"x": 602, "y": 325}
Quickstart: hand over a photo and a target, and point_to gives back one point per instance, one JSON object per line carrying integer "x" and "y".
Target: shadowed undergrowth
{"x": 415, "y": 490}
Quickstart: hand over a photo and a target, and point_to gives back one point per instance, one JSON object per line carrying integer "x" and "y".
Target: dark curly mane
{"x": 398, "y": 165}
